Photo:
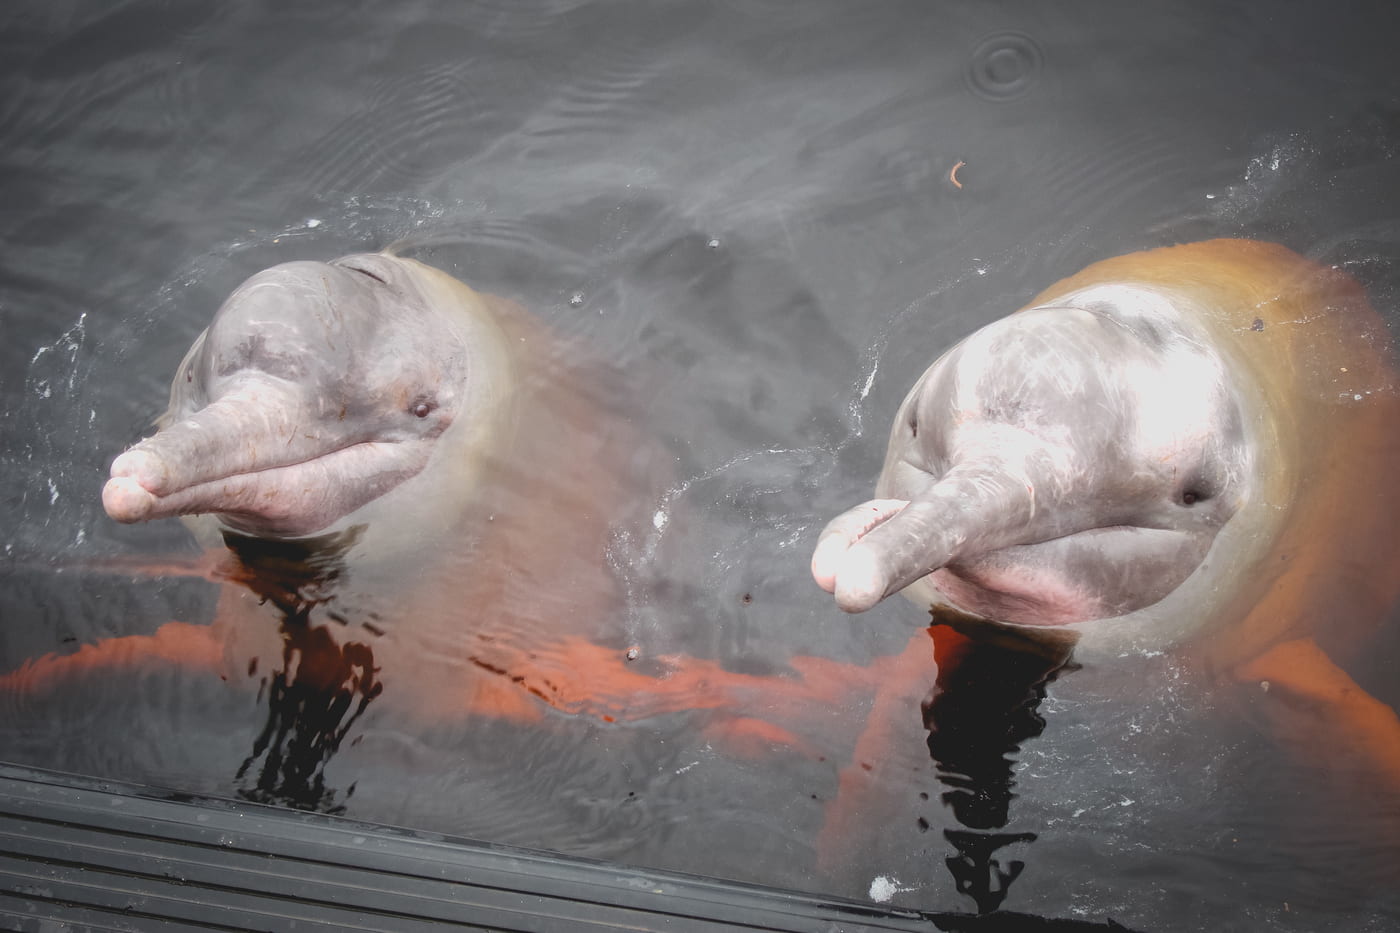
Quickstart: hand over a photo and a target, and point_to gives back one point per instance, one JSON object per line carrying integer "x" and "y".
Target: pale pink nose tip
{"x": 126, "y": 501}
{"x": 826, "y": 560}
{"x": 145, "y": 468}
{"x": 861, "y": 582}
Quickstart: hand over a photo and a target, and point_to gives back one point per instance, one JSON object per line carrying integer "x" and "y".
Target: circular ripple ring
{"x": 1004, "y": 66}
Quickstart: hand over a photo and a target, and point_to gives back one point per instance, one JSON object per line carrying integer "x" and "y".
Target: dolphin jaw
{"x": 1086, "y": 576}
{"x": 281, "y": 500}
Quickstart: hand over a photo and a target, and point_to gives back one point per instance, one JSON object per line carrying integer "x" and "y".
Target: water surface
{"x": 768, "y": 218}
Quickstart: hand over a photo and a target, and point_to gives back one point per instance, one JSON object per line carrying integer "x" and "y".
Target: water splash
{"x": 57, "y": 373}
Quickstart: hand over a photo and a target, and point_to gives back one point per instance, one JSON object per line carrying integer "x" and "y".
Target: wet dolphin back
{"x": 1313, "y": 551}
{"x": 563, "y": 466}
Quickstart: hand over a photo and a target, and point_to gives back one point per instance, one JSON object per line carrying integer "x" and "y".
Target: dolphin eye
{"x": 421, "y": 408}
{"x": 1193, "y": 495}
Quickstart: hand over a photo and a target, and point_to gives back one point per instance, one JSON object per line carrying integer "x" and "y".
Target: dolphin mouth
{"x": 1085, "y": 576}
{"x": 281, "y": 500}
{"x": 1105, "y": 539}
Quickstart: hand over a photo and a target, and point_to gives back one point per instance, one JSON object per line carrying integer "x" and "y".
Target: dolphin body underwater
{"x": 369, "y": 445}
{"x": 1191, "y": 448}
{"x": 408, "y": 490}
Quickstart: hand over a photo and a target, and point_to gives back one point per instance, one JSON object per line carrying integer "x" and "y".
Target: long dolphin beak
{"x": 881, "y": 546}
{"x": 256, "y": 453}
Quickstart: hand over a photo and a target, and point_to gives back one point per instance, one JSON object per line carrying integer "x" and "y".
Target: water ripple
{"x": 413, "y": 125}
{"x": 506, "y": 20}
{"x": 86, "y": 78}
{"x": 620, "y": 92}
{"x": 1004, "y": 66}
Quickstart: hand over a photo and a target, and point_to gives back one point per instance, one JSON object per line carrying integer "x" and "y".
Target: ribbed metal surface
{"x": 87, "y": 855}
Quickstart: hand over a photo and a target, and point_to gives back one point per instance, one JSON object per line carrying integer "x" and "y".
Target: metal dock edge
{"x": 82, "y": 854}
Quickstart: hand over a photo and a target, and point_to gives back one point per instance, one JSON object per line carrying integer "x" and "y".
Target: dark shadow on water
{"x": 985, "y": 704}
{"x": 1004, "y": 922}
{"x": 325, "y": 681}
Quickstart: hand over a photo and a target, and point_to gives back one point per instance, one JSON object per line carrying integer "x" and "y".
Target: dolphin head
{"x": 318, "y": 387}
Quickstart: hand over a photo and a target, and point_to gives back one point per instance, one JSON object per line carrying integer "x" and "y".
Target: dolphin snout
{"x": 144, "y": 468}
{"x": 126, "y": 500}
{"x": 138, "y": 478}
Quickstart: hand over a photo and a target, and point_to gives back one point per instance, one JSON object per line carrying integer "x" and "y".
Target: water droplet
{"x": 713, "y": 244}
{"x": 575, "y": 299}
{"x": 882, "y": 889}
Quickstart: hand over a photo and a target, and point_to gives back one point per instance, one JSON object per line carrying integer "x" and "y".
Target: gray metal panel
{"x": 102, "y": 856}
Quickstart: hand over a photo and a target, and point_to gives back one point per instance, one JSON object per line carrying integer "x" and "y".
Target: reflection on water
{"x": 323, "y": 685}
{"x": 985, "y": 705}
{"x": 749, "y": 210}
